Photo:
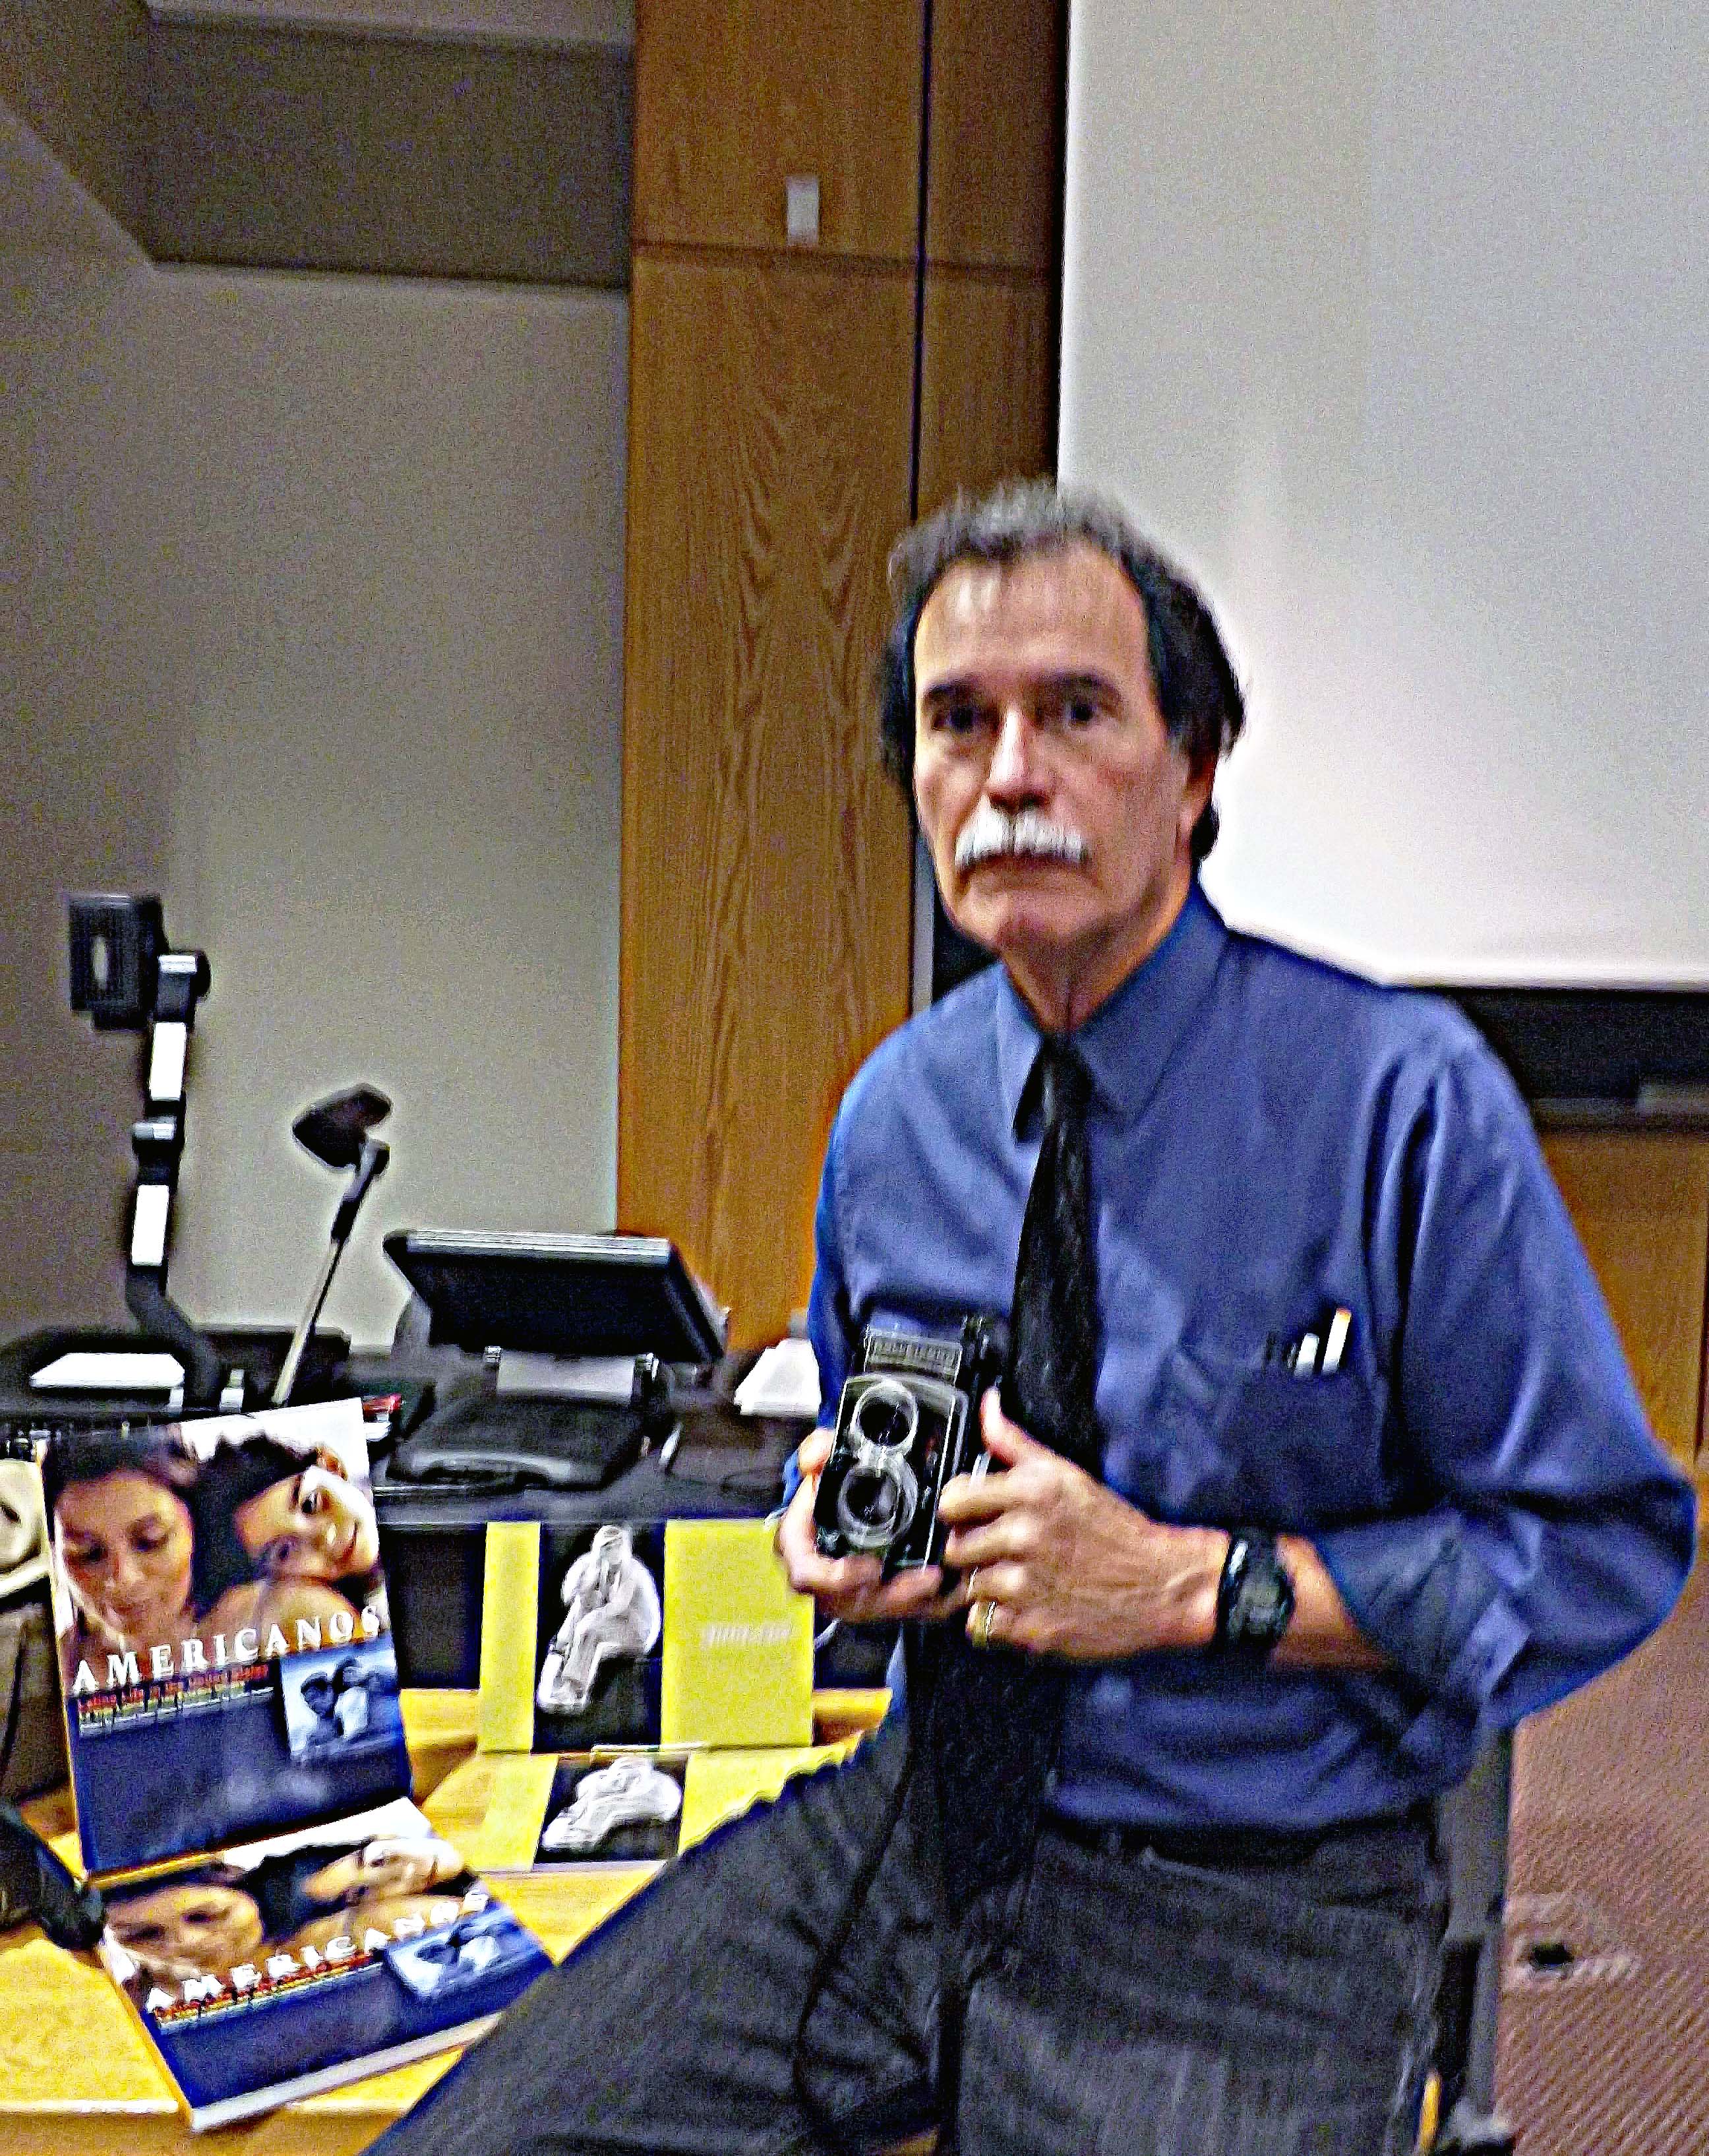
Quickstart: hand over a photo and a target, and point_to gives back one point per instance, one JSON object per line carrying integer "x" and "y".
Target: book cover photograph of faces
{"x": 223, "y": 1642}
{"x": 269, "y": 1970}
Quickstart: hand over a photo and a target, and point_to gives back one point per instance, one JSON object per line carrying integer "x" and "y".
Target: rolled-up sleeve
{"x": 1549, "y": 1532}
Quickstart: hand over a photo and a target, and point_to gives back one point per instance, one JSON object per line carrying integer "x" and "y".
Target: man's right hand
{"x": 852, "y": 1588}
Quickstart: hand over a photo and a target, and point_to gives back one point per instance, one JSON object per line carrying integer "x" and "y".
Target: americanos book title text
{"x": 132, "y": 1675}
{"x": 288, "y": 1969}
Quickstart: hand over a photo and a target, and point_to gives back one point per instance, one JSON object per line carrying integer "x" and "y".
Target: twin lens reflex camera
{"x": 907, "y": 1422}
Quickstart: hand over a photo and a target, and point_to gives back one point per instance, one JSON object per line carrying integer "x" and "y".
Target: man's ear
{"x": 1201, "y": 777}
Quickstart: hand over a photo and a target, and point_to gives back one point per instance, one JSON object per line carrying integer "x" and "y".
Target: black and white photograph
{"x": 622, "y": 1810}
{"x": 482, "y": 1943}
{"x": 598, "y": 1633}
{"x": 340, "y": 1701}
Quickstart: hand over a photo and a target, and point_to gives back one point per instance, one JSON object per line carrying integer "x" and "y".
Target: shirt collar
{"x": 1131, "y": 1035}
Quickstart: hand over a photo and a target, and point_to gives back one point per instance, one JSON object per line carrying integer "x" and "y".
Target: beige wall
{"x": 312, "y": 620}
{"x": 64, "y": 1111}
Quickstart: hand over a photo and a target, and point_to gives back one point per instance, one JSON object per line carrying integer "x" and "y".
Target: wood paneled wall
{"x": 988, "y": 377}
{"x": 773, "y": 423}
{"x": 988, "y": 343}
{"x": 993, "y": 191}
{"x": 731, "y": 102}
{"x": 765, "y": 892}
{"x": 1640, "y": 1200}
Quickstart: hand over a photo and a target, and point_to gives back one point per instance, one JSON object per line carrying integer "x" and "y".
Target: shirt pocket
{"x": 1254, "y": 1445}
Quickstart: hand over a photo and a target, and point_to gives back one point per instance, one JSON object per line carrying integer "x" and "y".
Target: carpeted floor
{"x": 1605, "y": 2027}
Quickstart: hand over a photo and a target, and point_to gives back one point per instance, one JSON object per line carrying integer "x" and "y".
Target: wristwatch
{"x": 1254, "y": 1597}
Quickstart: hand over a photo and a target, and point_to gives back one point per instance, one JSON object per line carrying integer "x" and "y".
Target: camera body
{"x": 907, "y": 1420}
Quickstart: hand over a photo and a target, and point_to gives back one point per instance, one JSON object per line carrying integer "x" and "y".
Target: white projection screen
{"x": 1391, "y": 322}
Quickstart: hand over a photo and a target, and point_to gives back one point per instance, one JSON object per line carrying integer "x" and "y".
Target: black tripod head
{"x": 335, "y": 1130}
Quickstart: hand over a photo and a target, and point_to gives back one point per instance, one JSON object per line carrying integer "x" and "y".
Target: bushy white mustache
{"x": 990, "y": 832}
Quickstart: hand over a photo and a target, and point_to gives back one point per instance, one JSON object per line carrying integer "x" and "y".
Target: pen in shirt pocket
{"x": 1318, "y": 1351}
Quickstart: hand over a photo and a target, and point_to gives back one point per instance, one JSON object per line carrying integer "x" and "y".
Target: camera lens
{"x": 886, "y": 1415}
{"x": 876, "y": 1501}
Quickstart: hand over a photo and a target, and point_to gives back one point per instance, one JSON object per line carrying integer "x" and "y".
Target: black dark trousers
{"x": 1113, "y": 2002}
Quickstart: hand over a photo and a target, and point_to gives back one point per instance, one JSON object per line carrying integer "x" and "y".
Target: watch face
{"x": 1260, "y": 1596}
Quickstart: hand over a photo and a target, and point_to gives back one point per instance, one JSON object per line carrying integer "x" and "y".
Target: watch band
{"x": 1254, "y": 1597}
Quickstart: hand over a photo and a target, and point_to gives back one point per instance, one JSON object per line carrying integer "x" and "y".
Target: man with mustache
{"x": 1357, "y": 1476}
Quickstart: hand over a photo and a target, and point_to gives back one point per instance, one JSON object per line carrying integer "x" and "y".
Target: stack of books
{"x": 280, "y": 1916}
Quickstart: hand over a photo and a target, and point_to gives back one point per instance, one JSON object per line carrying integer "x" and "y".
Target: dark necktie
{"x": 996, "y": 1714}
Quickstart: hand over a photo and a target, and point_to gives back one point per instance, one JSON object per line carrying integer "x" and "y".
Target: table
{"x": 77, "y": 2077}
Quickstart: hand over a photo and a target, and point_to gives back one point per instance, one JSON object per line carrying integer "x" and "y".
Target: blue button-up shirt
{"x": 1272, "y": 1141}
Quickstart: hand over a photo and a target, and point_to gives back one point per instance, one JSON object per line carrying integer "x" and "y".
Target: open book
{"x": 269, "y": 1971}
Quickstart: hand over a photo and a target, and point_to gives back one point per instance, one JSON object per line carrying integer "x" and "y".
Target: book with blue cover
{"x": 269, "y": 1972}
{"x": 278, "y": 1914}
{"x": 225, "y": 1653}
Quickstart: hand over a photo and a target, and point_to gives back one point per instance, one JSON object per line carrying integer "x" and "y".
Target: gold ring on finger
{"x": 979, "y": 1629}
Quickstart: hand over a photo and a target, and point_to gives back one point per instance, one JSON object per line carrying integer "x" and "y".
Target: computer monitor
{"x": 559, "y": 1295}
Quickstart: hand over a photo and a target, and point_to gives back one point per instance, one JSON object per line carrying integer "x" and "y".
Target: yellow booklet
{"x": 541, "y": 1813}
{"x": 720, "y": 1786}
{"x": 570, "y": 1620}
{"x": 738, "y": 1657}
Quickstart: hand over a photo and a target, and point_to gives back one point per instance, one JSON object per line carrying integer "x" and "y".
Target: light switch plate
{"x": 801, "y": 209}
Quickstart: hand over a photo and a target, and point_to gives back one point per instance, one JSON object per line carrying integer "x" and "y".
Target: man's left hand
{"x": 1068, "y": 1567}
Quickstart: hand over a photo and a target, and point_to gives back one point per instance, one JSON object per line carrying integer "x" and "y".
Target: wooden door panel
{"x": 988, "y": 374}
{"x": 765, "y": 858}
{"x": 993, "y": 182}
{"x": 730, "y": 102}
{"x": 1640, "y": 1202}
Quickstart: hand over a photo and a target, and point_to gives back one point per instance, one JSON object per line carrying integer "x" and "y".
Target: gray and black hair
{"x": 1198, "y": 693}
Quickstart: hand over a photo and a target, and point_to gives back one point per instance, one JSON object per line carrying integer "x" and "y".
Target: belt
{"x": 1232, "y": 1847}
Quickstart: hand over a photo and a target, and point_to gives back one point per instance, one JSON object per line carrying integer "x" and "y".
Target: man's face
{"x": 1057, "y": 812}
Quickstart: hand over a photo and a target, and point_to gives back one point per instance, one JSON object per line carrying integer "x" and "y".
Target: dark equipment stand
{"x": 125, "y": 978}
{"x": 183, "y": 978}
{"x": 1474, "y": 1822}
{"x": 339, "y": 1132}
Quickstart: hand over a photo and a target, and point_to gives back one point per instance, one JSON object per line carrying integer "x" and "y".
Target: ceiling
{"x": 43, "y": 209}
